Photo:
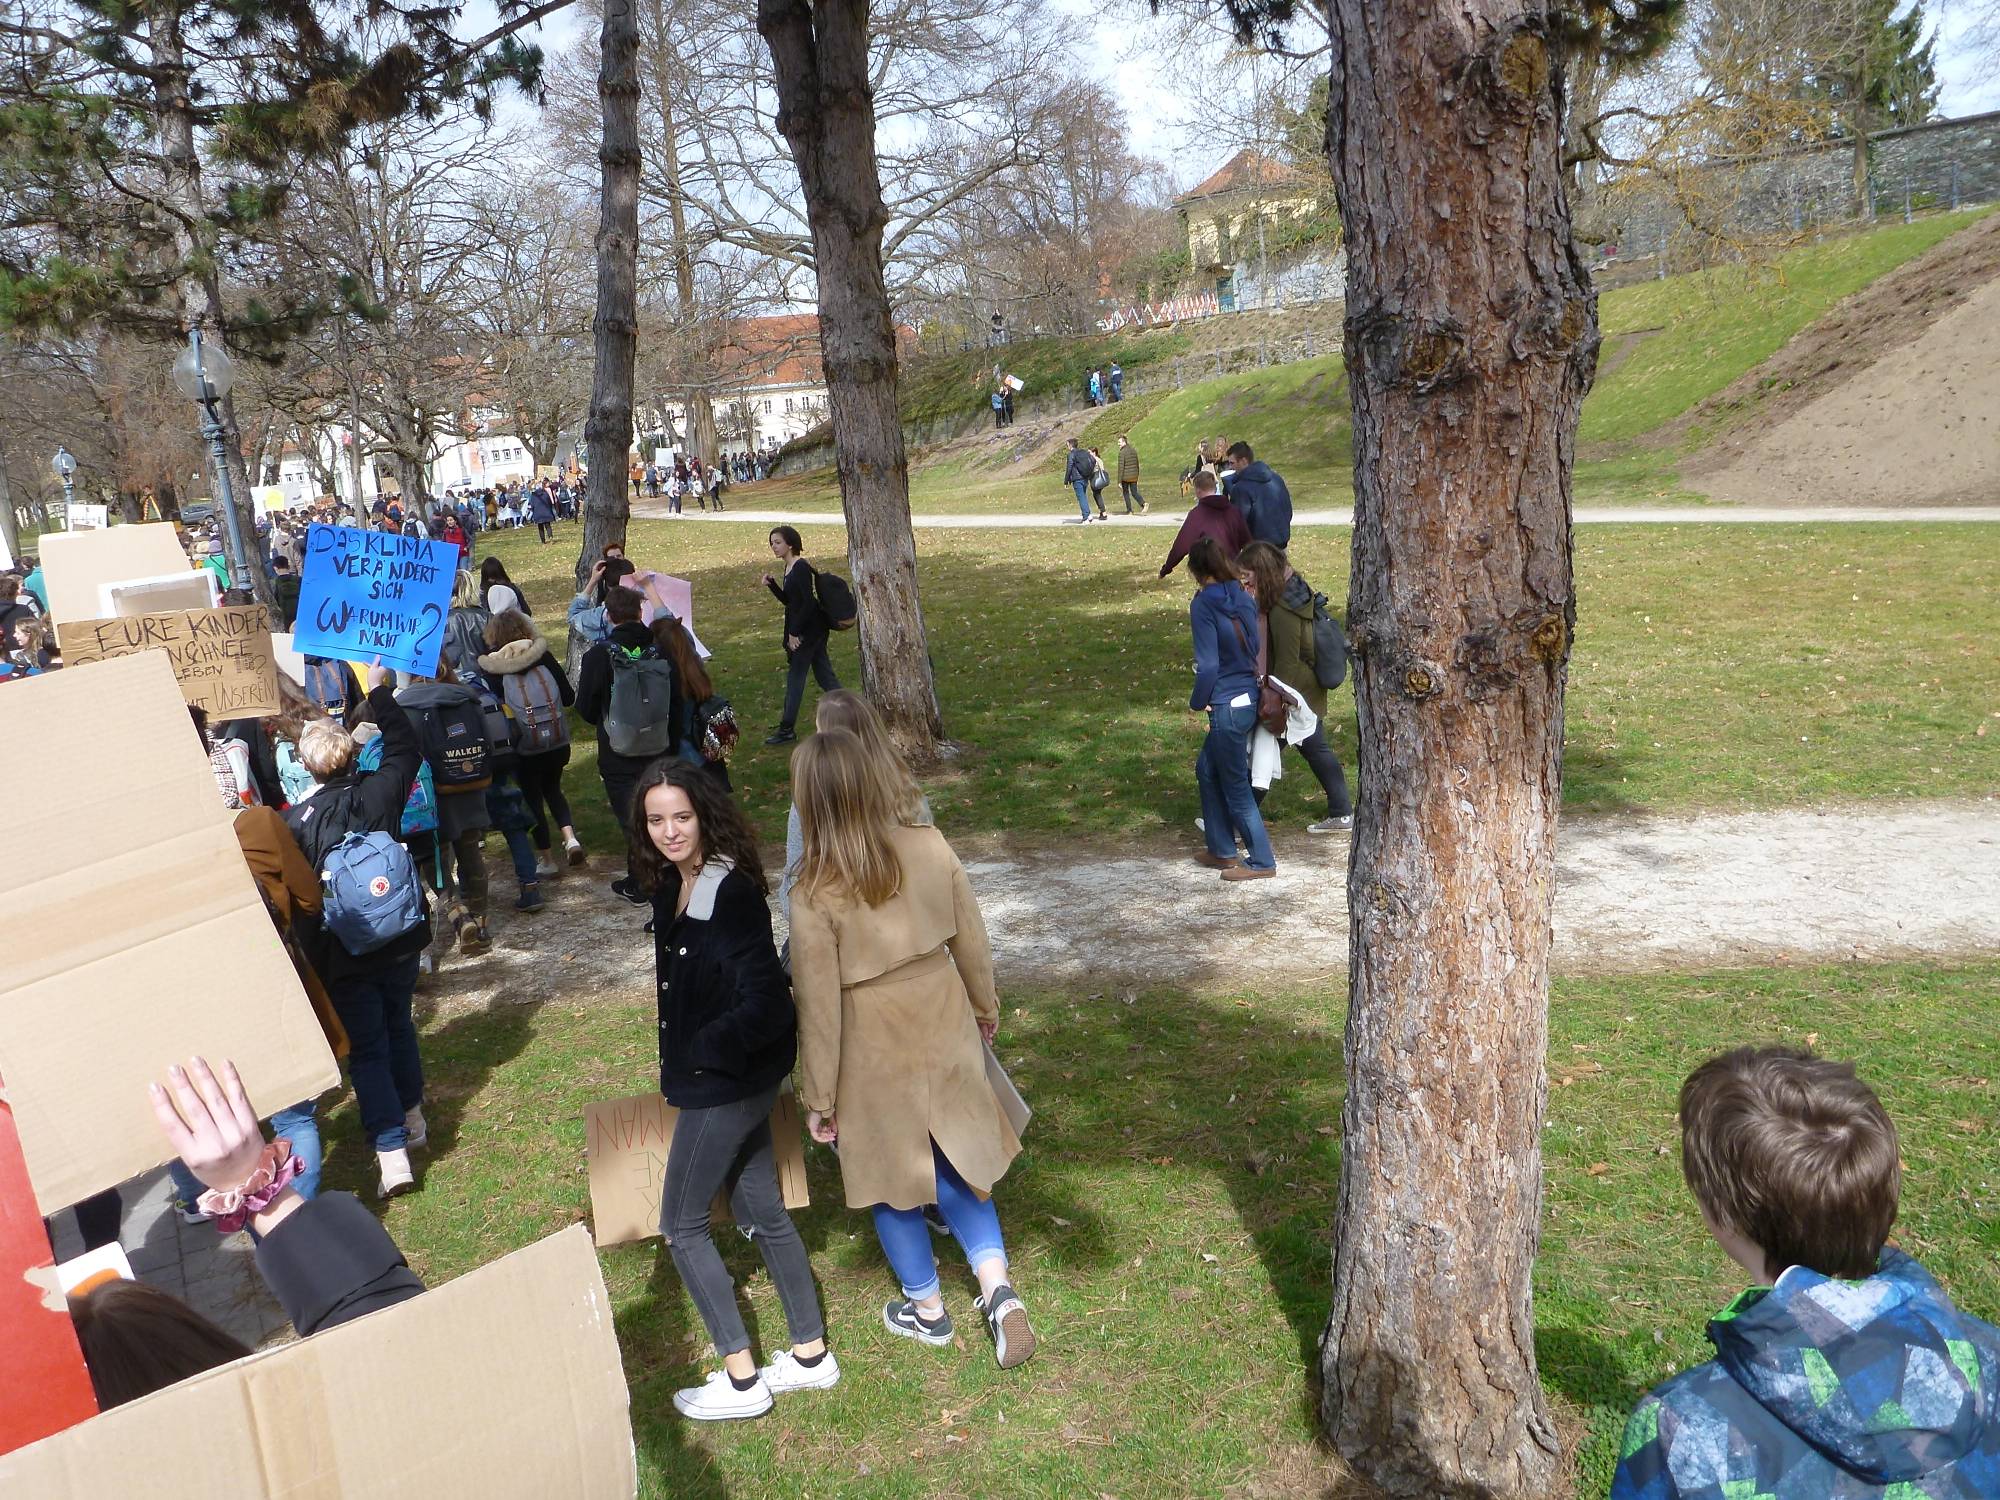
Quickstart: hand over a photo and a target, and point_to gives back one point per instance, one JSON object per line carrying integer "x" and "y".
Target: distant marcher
{"x": 492, "y": 573}
{"x": 1128, "y": 475}
{"x": 542, "y": 511}
{"x": 1285, "y": 602}
{"x": 999, "y": 411}
{"x": 451, "y": 727}
{"x": 465, "y": 629}
{"x": 893, "y": 977}
{"x": 1093, "y": 387}
{"x": 285, "y": 590}
{"x": 1100, "y": 481}
{"x": 806, "y": 629}
{"x": 537, "y": 692}
{"x": 728, "y": 1036}
{"x": 1225, "y": 625}
{"x": 1255, "y": 489}
{"x": 1212, "y": 517}
{"x": 1117, "y": 381}
{"x": 628, "y": 649}
{"x": 1077, "y": 469}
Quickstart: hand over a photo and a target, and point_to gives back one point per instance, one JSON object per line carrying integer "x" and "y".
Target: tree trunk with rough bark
{"x": 607, "y": 430}
{"x": 198, "y": 288}
{"x": 1471, "y": 339}
{"x": 826, "y": 112}
{"x": 10, "y": 521}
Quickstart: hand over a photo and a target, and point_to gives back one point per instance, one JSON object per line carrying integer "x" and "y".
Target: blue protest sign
{"x": 369, "y": 594}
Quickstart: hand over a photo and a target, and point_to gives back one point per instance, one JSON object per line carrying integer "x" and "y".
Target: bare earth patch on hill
{"x": 1889, "y": 399}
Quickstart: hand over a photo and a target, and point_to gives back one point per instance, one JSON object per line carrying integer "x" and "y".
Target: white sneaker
{"x": 785, "y": 1374}
{"x": 397, "y": 1178}
{"x": 420, "y": 1134}
{"x": 547, "y": 869}
{"x": 1331, "y": 825}
{"x": 718, "y": 1400}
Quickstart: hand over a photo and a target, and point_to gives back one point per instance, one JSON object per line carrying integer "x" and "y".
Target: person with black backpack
{"x": 632, "y": 695}
{"x": 806, "y": 629}
{"x": 374, "y": 922}
{"x": 452, "y": 730}
{"x": 537, "y": 693}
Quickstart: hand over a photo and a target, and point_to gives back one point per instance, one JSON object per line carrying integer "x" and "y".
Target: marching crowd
{"x": 362, "y": 810}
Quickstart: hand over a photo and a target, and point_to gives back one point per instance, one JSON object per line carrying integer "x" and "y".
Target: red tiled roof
{"x": 1245, "y": 169}
{"x": 778, "y": 350}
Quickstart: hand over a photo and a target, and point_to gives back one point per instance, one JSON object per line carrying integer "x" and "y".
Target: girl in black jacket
{"x": 728, "y": 1037}
{"x": 805, "y": 629}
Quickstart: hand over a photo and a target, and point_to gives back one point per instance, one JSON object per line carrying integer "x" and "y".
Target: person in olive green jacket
{"x": 1285, "y": 600}
{"x": 1128, "y": 475}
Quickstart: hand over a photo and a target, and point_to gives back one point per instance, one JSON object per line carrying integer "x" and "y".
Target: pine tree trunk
{"x": 607, "y": 430}
{"x": 197, "y": 288}
{"x": 1471, "y": 339}
{"x": 826, "y": 112}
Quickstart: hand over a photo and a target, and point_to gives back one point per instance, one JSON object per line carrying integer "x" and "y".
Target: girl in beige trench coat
{"x": 893, "y": 979}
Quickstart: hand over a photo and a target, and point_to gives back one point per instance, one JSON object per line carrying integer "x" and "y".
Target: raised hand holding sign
{"x": 368, "y": 595}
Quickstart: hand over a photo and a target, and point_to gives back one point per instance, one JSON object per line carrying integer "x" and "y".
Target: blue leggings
{"x": 906, "y": 1239}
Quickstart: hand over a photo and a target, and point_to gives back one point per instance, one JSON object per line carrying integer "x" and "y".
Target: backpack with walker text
{"x": 455, "y": 745}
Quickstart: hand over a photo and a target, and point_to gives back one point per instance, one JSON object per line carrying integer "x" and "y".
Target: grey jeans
{"x": 729, "y": 1145}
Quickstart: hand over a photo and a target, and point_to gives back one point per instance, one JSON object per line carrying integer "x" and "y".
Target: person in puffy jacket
{"x": 515, "y": 649}
{"x": 1845, "y": 1371}
{"x": 1212, "y": 517}
{"x": 465, "y": 628}
{"x": 1255, "y": 489}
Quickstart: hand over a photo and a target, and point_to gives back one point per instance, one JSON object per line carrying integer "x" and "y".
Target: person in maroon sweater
{"x": 1212, "y": 516}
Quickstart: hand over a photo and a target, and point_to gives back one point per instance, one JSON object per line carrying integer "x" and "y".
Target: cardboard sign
{"x": 222, "y": 657}
{"x": 626, "y": 1141}
{"x": 196, "y": 588}
{"x": 1012, "y": 1105}
{"x": 289, "y": 661}
{"x": 47, "y": 1387}
{"x": 74, "y": 563}
{"x": 369, "y": 594}
{"x": 135, "y": 937}
{"x": 504, "y": 1382}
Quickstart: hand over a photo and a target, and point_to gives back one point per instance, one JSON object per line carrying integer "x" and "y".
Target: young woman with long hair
{"x": 728, "y": 1038}
{"x": 1285, "y": 604}
{"x": 493, "y": 574}
{"x": 893, "y": 977}
{"x": 1225, "y": 623}
{"x": 843, "y": 708}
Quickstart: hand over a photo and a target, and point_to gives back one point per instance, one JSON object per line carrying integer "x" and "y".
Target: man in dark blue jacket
{"x": 1255, "y": 489}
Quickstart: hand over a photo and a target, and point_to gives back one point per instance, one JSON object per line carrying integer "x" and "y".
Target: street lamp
{"x": 65, "y": 464}
{"x": 204, "y": 376}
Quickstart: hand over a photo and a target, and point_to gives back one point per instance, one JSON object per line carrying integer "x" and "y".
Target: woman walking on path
{"x": 893, "y": 977}
{"x": 1225, "y": 624}
{"x": 805, "y": 629}
{"x": 1285, "y": 601}
{"x": 536, "y": 690}
{"x": 728, "y": 1037}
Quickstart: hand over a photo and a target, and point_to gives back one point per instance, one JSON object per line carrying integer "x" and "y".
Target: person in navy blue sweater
{"x": 1224, "y": 618}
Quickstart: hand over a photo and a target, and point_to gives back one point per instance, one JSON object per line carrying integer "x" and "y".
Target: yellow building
{"x": 1222, "y": 213}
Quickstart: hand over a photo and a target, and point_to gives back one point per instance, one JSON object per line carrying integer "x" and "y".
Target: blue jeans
{"x": 1222, "y": 772}
{"x": 299, "y": 1125}
{"x": 507, "y": 808}
{"x": 382, "y": 1048}
{"x": 1082, "y": 489}
{"x": 906, "y": 1239}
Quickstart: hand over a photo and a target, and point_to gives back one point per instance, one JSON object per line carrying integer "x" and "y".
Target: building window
{"x": 767, "y": 408}
{"x": 788, "y": 406}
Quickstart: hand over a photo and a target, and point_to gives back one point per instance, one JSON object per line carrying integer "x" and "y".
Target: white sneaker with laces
{"x": 420, "y": 1133}
{"x": 1331, "y": 825}
{"x": 717, "y": 1400}
{"x": 785, "y": 1374}
{"x": 397, "y": 1178}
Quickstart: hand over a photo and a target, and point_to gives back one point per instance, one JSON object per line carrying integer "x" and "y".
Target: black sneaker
{"x": 782, "y": 737}
{"x": 627, "y": 889}
{"x": 903, "y": 1319}
{"x": 1013, "y": 1339}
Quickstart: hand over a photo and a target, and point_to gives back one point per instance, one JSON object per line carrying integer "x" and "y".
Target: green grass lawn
{"x": 1715, "y": 667}
{"x": 1169, "y": 1224}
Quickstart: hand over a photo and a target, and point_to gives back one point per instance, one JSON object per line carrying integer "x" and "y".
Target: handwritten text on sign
{"x": 369, "y": 594}
{"x": 627, "y": 1142}
{"x": 222, "y": 657}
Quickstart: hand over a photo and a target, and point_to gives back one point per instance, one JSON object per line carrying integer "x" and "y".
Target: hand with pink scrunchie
{"x": 214, "y": 1130}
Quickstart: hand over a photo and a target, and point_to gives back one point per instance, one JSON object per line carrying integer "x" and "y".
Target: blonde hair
{"x": 846, "y": 709}
{"x": 327, "y": 750}
{"x": 465, "y": 590}
{"x": 845, "y": 819}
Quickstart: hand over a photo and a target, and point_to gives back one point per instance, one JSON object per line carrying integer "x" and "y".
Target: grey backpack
{"x": 639, "y": 722}
{"x": 538, "y": 711}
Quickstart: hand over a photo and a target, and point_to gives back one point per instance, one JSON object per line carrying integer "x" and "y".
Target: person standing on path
{"x": 1212, "y": 517}
{"x": 1100, "y": 481}
{"x": 1285, "y": 603}
{"x": 595, "y": 679}
{"x": 1254, "y": 488}
{"x": 537, "y": 692}
{"x": 728, "y": 1037}
{"x": 893, "y": 977}
{"x": 1225, "y": 624}
{"x": 1077, "y": 469}
{"x": 1117, "y": 381}
{"x": 1128, "y": 475}
{"x": 542, "y": 512}
{"x": 806, "y": 629}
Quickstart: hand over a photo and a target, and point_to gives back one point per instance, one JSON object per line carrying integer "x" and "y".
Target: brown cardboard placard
{"x": 74, "y": 563}
{"x": 195, "y": 589}
{"x": 135, "y": 938}
{"x": 223, "y": 657}
{"x": 504, "y": 1382}
{"x": 626, "y": 1142}
{"x": 1012, "y": 1105}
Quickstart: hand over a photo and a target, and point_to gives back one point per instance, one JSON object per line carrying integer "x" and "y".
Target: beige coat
{"x": 889, "y": 1001}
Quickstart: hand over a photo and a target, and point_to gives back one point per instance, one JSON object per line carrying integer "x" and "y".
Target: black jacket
{"x": 802, "y": 612}
{"x": 1079, "y": 465}
{"x": 363, "y": 802}
{"x": 1265, "y": 502}
{"x": 727, "y": 1026}
{"x": 593, "y": 697}
{"x": 330, "y": 1261}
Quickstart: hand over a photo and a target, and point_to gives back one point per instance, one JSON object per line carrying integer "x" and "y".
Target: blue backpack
{"x": 326, "y": 684}
{"x": 369, "y": 892}
{"x": 420, "y": 809}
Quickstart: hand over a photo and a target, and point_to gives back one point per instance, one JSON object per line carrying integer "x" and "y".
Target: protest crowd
{"x": 362, "y": 805}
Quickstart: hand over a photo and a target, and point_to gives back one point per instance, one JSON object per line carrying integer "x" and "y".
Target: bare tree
{"x": 534, "y": 316}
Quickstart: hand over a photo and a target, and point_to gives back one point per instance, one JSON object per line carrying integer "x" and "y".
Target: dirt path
{"x": 1633, "y": 894}
{"x": 1168, "y": 517}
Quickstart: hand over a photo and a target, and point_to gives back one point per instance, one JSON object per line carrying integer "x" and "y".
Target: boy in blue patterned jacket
{"x": 1845, "y": 1371}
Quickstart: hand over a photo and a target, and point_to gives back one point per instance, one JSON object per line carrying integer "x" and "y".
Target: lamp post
{"x": 65, "y": 466}
{"x": 204, "y": 376}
